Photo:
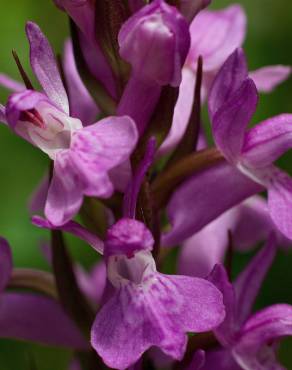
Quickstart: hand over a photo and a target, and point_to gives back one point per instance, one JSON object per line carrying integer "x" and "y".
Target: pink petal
{"x": 249, "y": 223}
{"x": 268, "y": 78}
{"x": 215, "y": 35}
{"x": 230, "y": 121}
{"x": 82, "y": 105}
{"x": 220, "y": 359}
{"x": 5, "y": 263}
{"x": 44, "y": 65}
{"x": 107, "y": 143}
{"x": 204, "y": 197}
{"x": 145, "y": 94}
{"x": 73, "y": 228}
{"x": 39, "y": 319}
{"x": 65, "y": 193}
{"x": 226, "y": 331}
{"x": 248, "y": 283}
{"x": 228, "y": 80}
{"x": 97, "y": 63}
{"x": 198, "y": 360}
{"x": 132, "y": 192}
{"x": 11, "y": 84}
{"x": 92, "y": 283}
{"x": 253, "y": 224}
{"x": 280, "y": 201}
{"x": 253, "y": 349}
{"x": 267, "y": 141}
{"x": 39, "y": 196}
{"x": 135, "y": 318}
{"x": 182, "y": 112}
{"x": 203, "y": 250}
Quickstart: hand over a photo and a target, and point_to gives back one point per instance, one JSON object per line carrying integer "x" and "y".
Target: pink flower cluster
{"x": 120, "y": 121}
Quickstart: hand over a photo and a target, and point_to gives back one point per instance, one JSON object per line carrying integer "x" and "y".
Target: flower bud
{"x": 155, "y": 41}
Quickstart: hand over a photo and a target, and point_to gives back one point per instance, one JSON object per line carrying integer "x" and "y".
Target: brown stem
{"x": 39, "y": 281}
{"x": 167, "y": 181}
{"x": 22, "y": 72}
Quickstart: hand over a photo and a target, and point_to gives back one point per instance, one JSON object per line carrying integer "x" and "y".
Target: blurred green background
{"x": 21, "y": 166}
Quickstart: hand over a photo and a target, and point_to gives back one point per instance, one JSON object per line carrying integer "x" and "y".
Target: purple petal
{"x": 157, "y": 35}
{"x": 101, "y": 147}
{"x": 82, "y": 105}
{"x": 280, "y": 201}
{"x": 226, "y": 331}
{"x": 203, "y": 250}
{"x": 249, "y": 282}
{"x": 169, "y": 307}
{"x": 5, "y": 263}
{"x": 203, "y": 198}
{"x": 33, "y": 117}
{"x": 44, "y": 65}
{"x": 182, "y": 112}
{"x": 203, "y": 308}
{"x": 228, "y": 80}
{"x": 73, "y": 228}
{"x": 20, "y": 102}
{"x": 253, "y": 349}
{"x": 65, "y": 193}
{"x": 268, "y": 78}
{"x": 92, "y": 283}
{"x": 38, "y": 319}
{"x": 97, "y": 63}
{"x": 230, "y": 121}
{"x": 249, "y": 223}
{"x": 121, "y": 175}
{"x": 81, "y": 11}
{"x": 145, "y": 95}
{"x": 198, "y": 360}
{"x": 132, "y": 192}
{"x": 220, "y": 359}
{"x": 267, "y": 141}
{"x": 128, "y": 236}
{"x": 253, "y": 224}
{"x": 39, "y": 196}
{"x": 215, "y": 35}
{"x": 11, "y": 84}
{"x": 123, "y": 330}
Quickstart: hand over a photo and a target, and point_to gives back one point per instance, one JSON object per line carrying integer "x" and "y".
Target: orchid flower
{"x": 215, "y": 34}
{"x": 147, "y": 308}
{"x": 82, "y": 156}
{"x": 249, "y": 223}
{"x": 144, "y": 308}
{"x": 82, "y": 12}
{"x": 249, "y": 155}
{"x": 157, "y": 35}
{"x": 248, "y": 341}
{"x": 31, "y": 316}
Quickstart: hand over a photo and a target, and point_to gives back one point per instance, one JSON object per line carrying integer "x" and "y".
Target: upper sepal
{"x": 157, "y": 35}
